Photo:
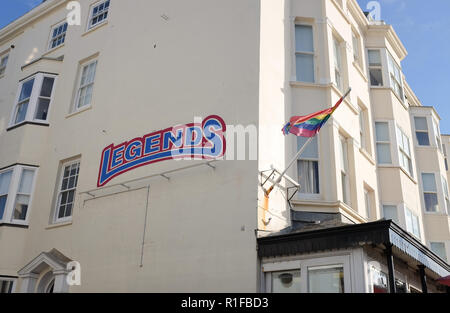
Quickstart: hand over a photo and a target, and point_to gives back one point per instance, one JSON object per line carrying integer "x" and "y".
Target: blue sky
{"x": 424, "y": 29}
{"x": 423, "y": 26}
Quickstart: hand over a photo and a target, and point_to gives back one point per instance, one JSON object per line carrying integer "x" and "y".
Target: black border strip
{"x": 27, "y": 123}
{"x": 17, "y": 164}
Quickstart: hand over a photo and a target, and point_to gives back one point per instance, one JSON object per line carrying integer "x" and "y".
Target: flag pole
{"x": 295, "y": 158}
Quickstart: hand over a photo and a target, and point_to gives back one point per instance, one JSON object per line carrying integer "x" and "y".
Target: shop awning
{"x": 328, "y": 237}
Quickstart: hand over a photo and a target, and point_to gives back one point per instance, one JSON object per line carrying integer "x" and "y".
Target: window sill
{"x": 53, "y": 50}
{"x": 59, "y": 225}
{"x": 79, "y": 111}
{"x": 367, "y": 155}
{"x": 27, "y": 123}
{"x": 94, "y": 28}
{"x": 294, "y": 83}
{"x": 14, "y": 225}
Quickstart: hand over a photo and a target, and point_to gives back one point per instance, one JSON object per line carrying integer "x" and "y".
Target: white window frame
{"x": 397, "y": 219}
{"x": 429, "y": 192}
{"x": 414, "y": 221}
{"x": 310, "y": 196}
{"x": 80, "y": 87}
{"x": 437, "y": 135}
{"x": 445, "y": 249}
{"x": 65, "y": 219}
{"x": 376, "y": 67}
{"x": 8, "y": 216}
{"x": 33, "y": 100}
{"x": 338, "y": 63}
{"x": 446, "y": 194}
{"x": 3, "y": 63}
{"x": 90, "y": 25}
{"x": 305, "y": 264}
{"x": 12, "y": 280}
{"x": 345, "y": 170}
{"x": 356, "y": 44}
{"x": 63, "y": 35}
{"x": 368, "y": 195}
{"x": 427, "y": 131}
{"x": 381, "y": 142}
{"x": 363, "y": 129}
{"x": 403, "y": 154}
{"x": 393, "y": 80}
{"x": 309, "y": 53}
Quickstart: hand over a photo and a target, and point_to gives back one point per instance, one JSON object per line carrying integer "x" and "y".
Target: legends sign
{"x": 205, "y": 140}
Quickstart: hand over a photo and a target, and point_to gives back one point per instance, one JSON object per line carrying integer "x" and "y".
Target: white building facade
{"x": 89, "y": 112}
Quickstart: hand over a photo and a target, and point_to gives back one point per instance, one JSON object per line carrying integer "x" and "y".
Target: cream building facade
{"x": 67, "y": 92}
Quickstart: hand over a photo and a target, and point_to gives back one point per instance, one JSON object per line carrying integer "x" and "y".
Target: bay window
{"x": 430, "y": 192}
{"x": 390, "y": 213}
{"x": 421, "y": 126}
{"x": 439, "y": 249}
{"x": 16, "y": 189}
{"x": 446, "y": 194}
{"x": 286, "y": 282}
{"x": 304, "y": 53}
{"x": 395, "y": 74}
{"x": 326, "y": 279}
{"x": 345, "y": 180}
{"x": 412, "y": 223}
{"x": 404, "y": 151}
{"x": 383, "y": 143}
{"x": 34, "y": 99}
{"x": 375, "y": 68}
{"x": 308, "y": 167}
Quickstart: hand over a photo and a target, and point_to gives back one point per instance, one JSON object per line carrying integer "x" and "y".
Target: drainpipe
{"x": 423, "y": 278}
{"x": 390, "y": 263}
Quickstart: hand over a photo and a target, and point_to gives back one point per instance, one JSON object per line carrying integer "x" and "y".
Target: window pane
{"x": 286, "y": 282}
{"x": 311, "y": 151}
{"x": 376, "y": 77}
{"x": 27, "y": 88}
{"x": 47, "y": 86}
{"x": 21, "y": 207}
{"x": 326, "y": 280}
{"x": 374, "y": 57}
{"x": 308, "y": 173}
{"x": 305, "y": 68}
{"x": 382, "y": 131}
{"x": 5, "y": 179}
{"x": 429, "y": 182}
{"x": 439, "y": 249}
{"x": 379, "y": 281}
{"x": 26, "y": 181}
{"x": 303, "y": 38}
{"x": 423, "y": 139}
{"x": 408, "y": 218}
{"x": 384, "y": 153}
{"x": 42, "y": 109}
{"x": 421, "y": 123}
{"x": 390, "y": 213}
{"x": 431, "y": 202}
{"x": 3, "y": 205}
{"x": 21, "y": 112}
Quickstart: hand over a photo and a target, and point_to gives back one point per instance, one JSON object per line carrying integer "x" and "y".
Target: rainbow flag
{"x": 310, "y": 125}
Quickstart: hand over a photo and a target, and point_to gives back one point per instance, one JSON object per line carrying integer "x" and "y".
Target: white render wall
{"x": 152, "y": 74}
